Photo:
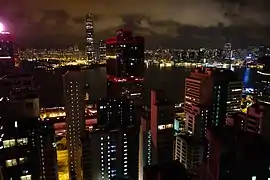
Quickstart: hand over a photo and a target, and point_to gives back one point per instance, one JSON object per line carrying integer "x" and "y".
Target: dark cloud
{"x": 173, "y": 22}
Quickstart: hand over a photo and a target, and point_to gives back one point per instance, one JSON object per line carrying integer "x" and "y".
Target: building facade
{"x": 7, "y": 53}
{"x": 161, "y": 128}
{"x": 74, "y": 95}
{"x": 114, "y": 143}
{"x": 19, "y": 143}
{"x": 189, "y": 151}
{"x": 90, "y": 48}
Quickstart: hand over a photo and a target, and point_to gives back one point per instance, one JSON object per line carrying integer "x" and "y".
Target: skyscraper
{"x": 161, "y": 128}
{"x": 19, "y": 129}
{"x": 48, "y": 156}
{"x": 102, "y": 50}
{"x": 227, "y": 51}
{"x": 7, "y": 55}
{"x": 226, "y": 96}
{"x": 112, "y": 154}
{"x": 125, "y": 65}
{"x": 210, "y": 95}
{"x": 114, "y": 144}
{"x": 218, "y": 88}
{"x": 263, "y": 81}
{"x": 189, "y": 151}
{"x": 74, "y": 92}
{"x": 125, "y": 56}
{"x": 198, "y": 88}
{"x": 89, "y": 25}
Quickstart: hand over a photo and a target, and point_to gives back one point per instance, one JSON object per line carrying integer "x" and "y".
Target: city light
{"x": 1, "y": 27}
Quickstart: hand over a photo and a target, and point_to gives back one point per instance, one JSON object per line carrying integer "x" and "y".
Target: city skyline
{"x": 195, "y": 23}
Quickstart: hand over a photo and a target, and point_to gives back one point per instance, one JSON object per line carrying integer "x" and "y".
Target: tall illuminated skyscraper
{"x": 89, "y": 25}
{"x": 125, "y": 65}
{"x": 115, "y": 143}
{"x": 75, "y": 119}
{"x": 102, "y": 50}
{"x": 227, "y": 51}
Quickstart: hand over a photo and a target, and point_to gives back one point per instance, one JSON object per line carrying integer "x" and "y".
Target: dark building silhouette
{"x": 7, "y": 54}
{"x": 125, "y": 65}
{"x": 161, "y": 128}
{"x": 125, "y": 55}
{"x": 48, "y": 154}
{"x": 166, "y": 171}
{"x": 20, "y": 135}
{"x": 226, "y": 95}
{"x": 236, "y": 155}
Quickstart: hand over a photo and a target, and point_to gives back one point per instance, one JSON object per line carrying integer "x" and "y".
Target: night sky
{"x": 172, "y": 23}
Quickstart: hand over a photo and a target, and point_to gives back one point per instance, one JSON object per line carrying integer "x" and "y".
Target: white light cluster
{"x": 125, "y": 154}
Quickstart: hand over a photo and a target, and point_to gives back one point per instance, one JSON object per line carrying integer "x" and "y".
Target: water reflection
{"x": 172, "y": 80}
{"x": 246, "y": 78}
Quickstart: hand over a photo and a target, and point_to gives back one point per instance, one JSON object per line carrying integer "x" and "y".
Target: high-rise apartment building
{"x": 218, "y": 88}
{"x": 48, "y": 155}
{"x": 7, "y": 55}
{"x": 90, "y": 48}
{"x": 157, "y": 132}
{"x": 227, "y": 51}
{"x": 102, "y": 50}
{"x": 161, "y": 128}
{"x": 125, "y": 65}
{"x": 116, "y": 112}
{"x": 125, "y": 55}
{"x": 74, "y": 94}
{"x": 226, "y": 95}
{"x": 210, "y": 96}
{"x": 114, "y": 143}
{"x": 198, "y": 96}
{"x": 262, "y": 88}
{"x": 118, "y": 139}
{"x": 198, "y": 88}
{"x": 197, "y": 121}
{"x": 19, "y": 142}
{"x": 189, "y": 151}
{"x": 13, "y": 81}
{"x": 22, "y": 86}
{"x": 255, "y": 120}
{"x": 112, "y": 154}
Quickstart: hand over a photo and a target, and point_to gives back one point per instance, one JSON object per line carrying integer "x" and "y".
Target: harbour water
{"x": 172, "y": 80}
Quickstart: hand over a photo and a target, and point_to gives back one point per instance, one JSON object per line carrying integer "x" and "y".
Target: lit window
{"x": 9, "y": 143}
{"x": 26, "y": 177}
{"x": 11, "y": 162}
{"x": 22, "y": 141}
{"x": 167, "y": 126}
{"x": 161, "y": 127}
{"x": 22, "y": 160}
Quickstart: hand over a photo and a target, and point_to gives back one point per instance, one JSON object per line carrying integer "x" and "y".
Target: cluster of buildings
{"x": 95, "y": 53}
{"x": 206, "y": 55}
{"x": 128, "y": 139}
